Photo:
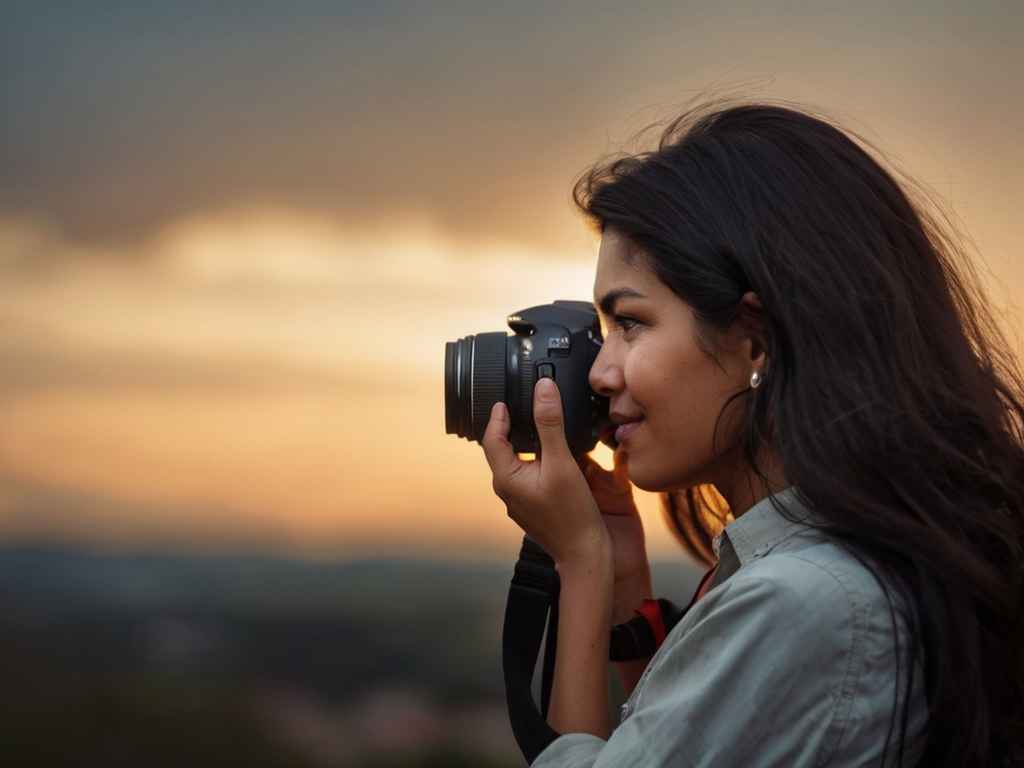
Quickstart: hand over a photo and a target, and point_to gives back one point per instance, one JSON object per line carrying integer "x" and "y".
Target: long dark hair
{"x": 890, "y": 394}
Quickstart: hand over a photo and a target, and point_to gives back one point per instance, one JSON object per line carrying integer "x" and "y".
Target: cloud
{"x": 32, "y": 365}
{"x": 366, "y": 114}
{"x": 261, "y": 294}
{"x": 474, "y": 118}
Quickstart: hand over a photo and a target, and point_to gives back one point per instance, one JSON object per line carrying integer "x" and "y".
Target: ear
{"x": 751, "y": 324}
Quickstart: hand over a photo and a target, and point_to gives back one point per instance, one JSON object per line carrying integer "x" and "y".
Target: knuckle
{"x": 516, "y": 470}
{"x": 548, "y": 419}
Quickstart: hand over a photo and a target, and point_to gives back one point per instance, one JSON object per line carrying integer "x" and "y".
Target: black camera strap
{"x": 532, "y": 600}
{"x": 532, "y": 607}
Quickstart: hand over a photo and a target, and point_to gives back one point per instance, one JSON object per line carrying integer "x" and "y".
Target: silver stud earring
{"x": 755, "y": 380}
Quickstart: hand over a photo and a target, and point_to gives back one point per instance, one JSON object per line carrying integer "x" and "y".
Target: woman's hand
{"x": 614, "y": 496}
{"x": 548, "y": 498}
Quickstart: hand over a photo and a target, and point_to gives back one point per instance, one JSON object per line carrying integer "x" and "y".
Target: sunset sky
{"x": 233, "y": 242}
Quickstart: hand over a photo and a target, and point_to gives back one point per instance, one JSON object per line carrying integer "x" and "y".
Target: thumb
{"x": 547, "y": 416}
{"x": 592, "y": 471}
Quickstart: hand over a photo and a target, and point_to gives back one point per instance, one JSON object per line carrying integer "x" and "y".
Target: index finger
{"x": 621, "y": 466}
{"x": 500, "y": 456}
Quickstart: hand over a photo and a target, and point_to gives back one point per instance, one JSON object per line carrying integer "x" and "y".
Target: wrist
{"x": 637, "y": 575}
{"x": 591, "y": 552}
{"x": 593, "y": 563}
{"x": 629, "y": 594}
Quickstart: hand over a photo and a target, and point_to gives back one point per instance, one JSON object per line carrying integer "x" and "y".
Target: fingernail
{"x": 498, "y": 410}
{"x": 546, "y": 389}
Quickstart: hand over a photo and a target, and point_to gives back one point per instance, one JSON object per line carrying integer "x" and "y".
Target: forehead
{"x": 620, "y": 265}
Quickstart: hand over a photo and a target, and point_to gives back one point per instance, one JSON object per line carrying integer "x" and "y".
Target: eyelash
{"x": 620, "y": 319}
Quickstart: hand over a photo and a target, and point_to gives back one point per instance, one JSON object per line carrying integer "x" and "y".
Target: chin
{"x": 654, "y": 479}
{"x": 646, "y": 480}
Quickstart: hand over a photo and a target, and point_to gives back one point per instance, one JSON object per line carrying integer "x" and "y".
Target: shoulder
{"x": 817, "y": 576}
{"x": 778, "y": 640}
{"x": 859, "y": 635}
{"x": 823, "y": 603}
{"x": 797, "y": 609}
{"x": 800, "y": 640}
{"x": 830, "y": 584}
{"x": 787, "y": 585}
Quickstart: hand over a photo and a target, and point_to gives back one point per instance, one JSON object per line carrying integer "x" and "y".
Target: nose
{"x": 605, "y": 376}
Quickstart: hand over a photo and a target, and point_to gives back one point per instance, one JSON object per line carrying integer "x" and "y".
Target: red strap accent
{"x": 651, "y": 610}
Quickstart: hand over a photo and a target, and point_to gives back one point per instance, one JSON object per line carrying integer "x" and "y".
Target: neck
{"x": 742, "y": 488}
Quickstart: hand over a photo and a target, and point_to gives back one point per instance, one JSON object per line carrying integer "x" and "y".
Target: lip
{"x": 625, "y": 430}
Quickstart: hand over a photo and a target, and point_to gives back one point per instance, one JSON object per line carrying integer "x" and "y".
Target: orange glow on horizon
{"x": 268, "y": 376}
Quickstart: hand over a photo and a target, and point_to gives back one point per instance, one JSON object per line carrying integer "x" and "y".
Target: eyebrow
{"x": 608, "y": 301}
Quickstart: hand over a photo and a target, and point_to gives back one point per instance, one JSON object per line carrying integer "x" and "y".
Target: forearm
{"x": 579, "y": 692}
{"x": 629, "y": 595}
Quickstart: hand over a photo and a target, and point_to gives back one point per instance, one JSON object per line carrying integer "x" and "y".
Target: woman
{"x": 794, "y": 351}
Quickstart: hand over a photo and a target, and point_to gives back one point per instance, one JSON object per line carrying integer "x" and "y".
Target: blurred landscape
{"x": 166, "y": 659}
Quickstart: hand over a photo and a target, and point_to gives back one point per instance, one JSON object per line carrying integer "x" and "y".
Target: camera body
{"x": 560, "y": 340}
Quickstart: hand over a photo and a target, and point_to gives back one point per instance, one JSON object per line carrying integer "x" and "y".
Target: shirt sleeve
{"x": 758, "y": 673}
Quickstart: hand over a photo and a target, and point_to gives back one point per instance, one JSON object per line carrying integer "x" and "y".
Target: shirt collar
{"x": 761, "y": 527}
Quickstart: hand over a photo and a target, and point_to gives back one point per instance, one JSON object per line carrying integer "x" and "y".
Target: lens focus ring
{"x": 527, "y": 380}
{"x": 487, "y": 362}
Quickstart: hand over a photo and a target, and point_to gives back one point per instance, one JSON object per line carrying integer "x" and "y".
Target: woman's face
{"x": 651, "y": 368}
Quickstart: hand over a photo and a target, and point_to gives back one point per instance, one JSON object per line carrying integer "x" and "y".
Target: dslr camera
{"x": 560, "y": 340}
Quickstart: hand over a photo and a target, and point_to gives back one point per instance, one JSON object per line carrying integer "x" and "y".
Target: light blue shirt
{"x": 789, "y": 661}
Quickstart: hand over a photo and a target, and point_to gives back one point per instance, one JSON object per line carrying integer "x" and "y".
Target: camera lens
{"x": 474, "y": 380}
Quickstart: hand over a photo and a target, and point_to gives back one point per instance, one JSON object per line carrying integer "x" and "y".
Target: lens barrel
{"x": 474, "y": 380}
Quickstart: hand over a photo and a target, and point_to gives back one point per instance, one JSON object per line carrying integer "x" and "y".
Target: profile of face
{"x": 652, "y": 368}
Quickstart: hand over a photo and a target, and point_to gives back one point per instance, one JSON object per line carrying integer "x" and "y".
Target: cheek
{"x": 678, "y": 400}
{"x": 668, "y": 406}
{"x": 641, "y": 382}
{"x": 655, "y": 382}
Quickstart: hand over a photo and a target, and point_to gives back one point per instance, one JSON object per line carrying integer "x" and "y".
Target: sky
{"x": 234, "y": 241}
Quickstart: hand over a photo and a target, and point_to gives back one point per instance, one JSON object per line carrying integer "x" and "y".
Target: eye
{"x": 625, "y": 323}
